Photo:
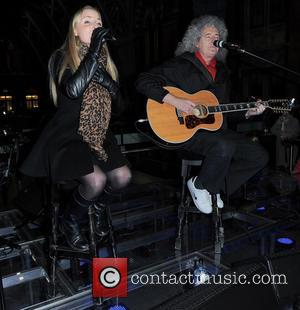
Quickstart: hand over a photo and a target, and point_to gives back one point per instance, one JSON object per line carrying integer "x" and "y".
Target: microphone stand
{"x": 238, "y": 49}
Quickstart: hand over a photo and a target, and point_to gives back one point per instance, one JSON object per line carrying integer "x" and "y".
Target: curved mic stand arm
{"x": 242, "y": 51}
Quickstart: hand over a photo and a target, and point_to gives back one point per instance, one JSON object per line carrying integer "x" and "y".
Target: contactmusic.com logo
{"x": 109, "y": 277}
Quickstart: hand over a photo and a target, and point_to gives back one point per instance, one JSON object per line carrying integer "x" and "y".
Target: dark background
{"x": 147, "y": 33}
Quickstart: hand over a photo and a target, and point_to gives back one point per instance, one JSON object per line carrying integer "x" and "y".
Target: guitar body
{"x": 163, "y": 118}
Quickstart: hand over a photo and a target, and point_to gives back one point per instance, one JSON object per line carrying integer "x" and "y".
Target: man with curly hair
{"x": 200, "y": 65}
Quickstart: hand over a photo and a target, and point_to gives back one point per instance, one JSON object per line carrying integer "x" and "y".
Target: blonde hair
{"x": 71, "y": 59}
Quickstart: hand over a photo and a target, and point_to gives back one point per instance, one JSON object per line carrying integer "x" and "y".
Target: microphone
{"x": 221, "y": 43}
{"x": 109, "y": 36}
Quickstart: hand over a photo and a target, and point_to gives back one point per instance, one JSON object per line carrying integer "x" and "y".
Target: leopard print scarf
{"x": 95, "y": 111}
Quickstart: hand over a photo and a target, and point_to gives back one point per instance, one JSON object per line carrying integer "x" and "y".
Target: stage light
{"x": 117, "y": 307}
{"x": 261, "y": 209}
{"x": 285, "y": 241}
{"x": 84, "y": 262}
{"x": 201, "y": 275}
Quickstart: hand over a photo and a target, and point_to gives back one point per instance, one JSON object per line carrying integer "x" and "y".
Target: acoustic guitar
{"x": 174, "y": 126}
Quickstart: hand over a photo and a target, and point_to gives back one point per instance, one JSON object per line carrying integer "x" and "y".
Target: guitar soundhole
{"x": 192, "y": 121}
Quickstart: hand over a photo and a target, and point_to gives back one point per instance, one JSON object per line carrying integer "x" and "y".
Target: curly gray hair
{"x": 194, "y": 31}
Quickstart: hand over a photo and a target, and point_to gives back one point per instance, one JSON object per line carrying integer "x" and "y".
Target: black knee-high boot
{"x": 101, "y": 225}
{"x": 75, "y": 214}
{"x": 103, "y": 202}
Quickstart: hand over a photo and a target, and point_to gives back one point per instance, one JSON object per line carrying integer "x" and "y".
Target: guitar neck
{"x": 233, "y": 107}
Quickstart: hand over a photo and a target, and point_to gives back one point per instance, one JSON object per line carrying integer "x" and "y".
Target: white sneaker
{"x": 201, "y": 197}
{"x": 220, "y": 202}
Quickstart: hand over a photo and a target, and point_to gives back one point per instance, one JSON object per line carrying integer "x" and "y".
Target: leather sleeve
{"x": 103, "y": 78}
{"x": 75, "y": 85}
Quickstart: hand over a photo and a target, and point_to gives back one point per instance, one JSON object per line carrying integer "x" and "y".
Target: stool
{"x": 57, "y": 251}
{"x": 184, "y": 209}
{"x": 144, "y": 128}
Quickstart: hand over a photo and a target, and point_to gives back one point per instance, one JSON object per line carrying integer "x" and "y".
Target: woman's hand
{"x": 103, "y": 78}
{"x": 183, "y": 105}
{"x": 97, "y": 39}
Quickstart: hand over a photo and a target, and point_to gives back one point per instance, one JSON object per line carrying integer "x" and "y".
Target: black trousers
{"x": 227, "y": 154}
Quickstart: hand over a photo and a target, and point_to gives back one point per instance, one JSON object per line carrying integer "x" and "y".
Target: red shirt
{"x": 211, "y": 68}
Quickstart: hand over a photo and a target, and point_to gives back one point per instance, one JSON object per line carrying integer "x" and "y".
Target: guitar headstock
{"x": 281, "y": 105}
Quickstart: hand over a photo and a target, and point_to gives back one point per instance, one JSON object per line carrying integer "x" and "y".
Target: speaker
{"x": 234, "y": 296}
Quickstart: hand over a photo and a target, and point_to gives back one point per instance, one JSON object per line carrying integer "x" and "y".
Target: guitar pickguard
{"x": 192, "y": 121}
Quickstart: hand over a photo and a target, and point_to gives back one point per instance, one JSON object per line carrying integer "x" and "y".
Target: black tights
{"x": 92, "y": 185}
{"x": 90, "y": 188}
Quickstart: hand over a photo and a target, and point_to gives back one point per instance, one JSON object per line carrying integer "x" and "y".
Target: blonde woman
{"x": 77, "y": 144}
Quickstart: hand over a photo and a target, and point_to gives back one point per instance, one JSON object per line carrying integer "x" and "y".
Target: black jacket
{"x": 187, "y": 73}
{"x": 60, "y": 153}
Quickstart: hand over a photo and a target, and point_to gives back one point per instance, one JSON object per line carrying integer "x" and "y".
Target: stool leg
{"x": 53, "y": 245}
{"x": 92, "y": 241}
{"x": 185, "y": 201}
{"x": 180, "y": 214}
{"x": 98, "y": 302}
{"x": 219, "y": 230}
{"x": 111, "y": 232}
{"x": 181, "y": 217}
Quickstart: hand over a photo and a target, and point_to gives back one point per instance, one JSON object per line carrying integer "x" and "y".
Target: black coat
{"x": 187, "y": 73}
{"x": 60, "y": 153}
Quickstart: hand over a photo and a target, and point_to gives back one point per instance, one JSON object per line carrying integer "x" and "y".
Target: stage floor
{"x": 145, "y": 222}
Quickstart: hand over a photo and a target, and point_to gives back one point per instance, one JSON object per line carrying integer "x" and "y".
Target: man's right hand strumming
{"x": 183, "y": 105}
